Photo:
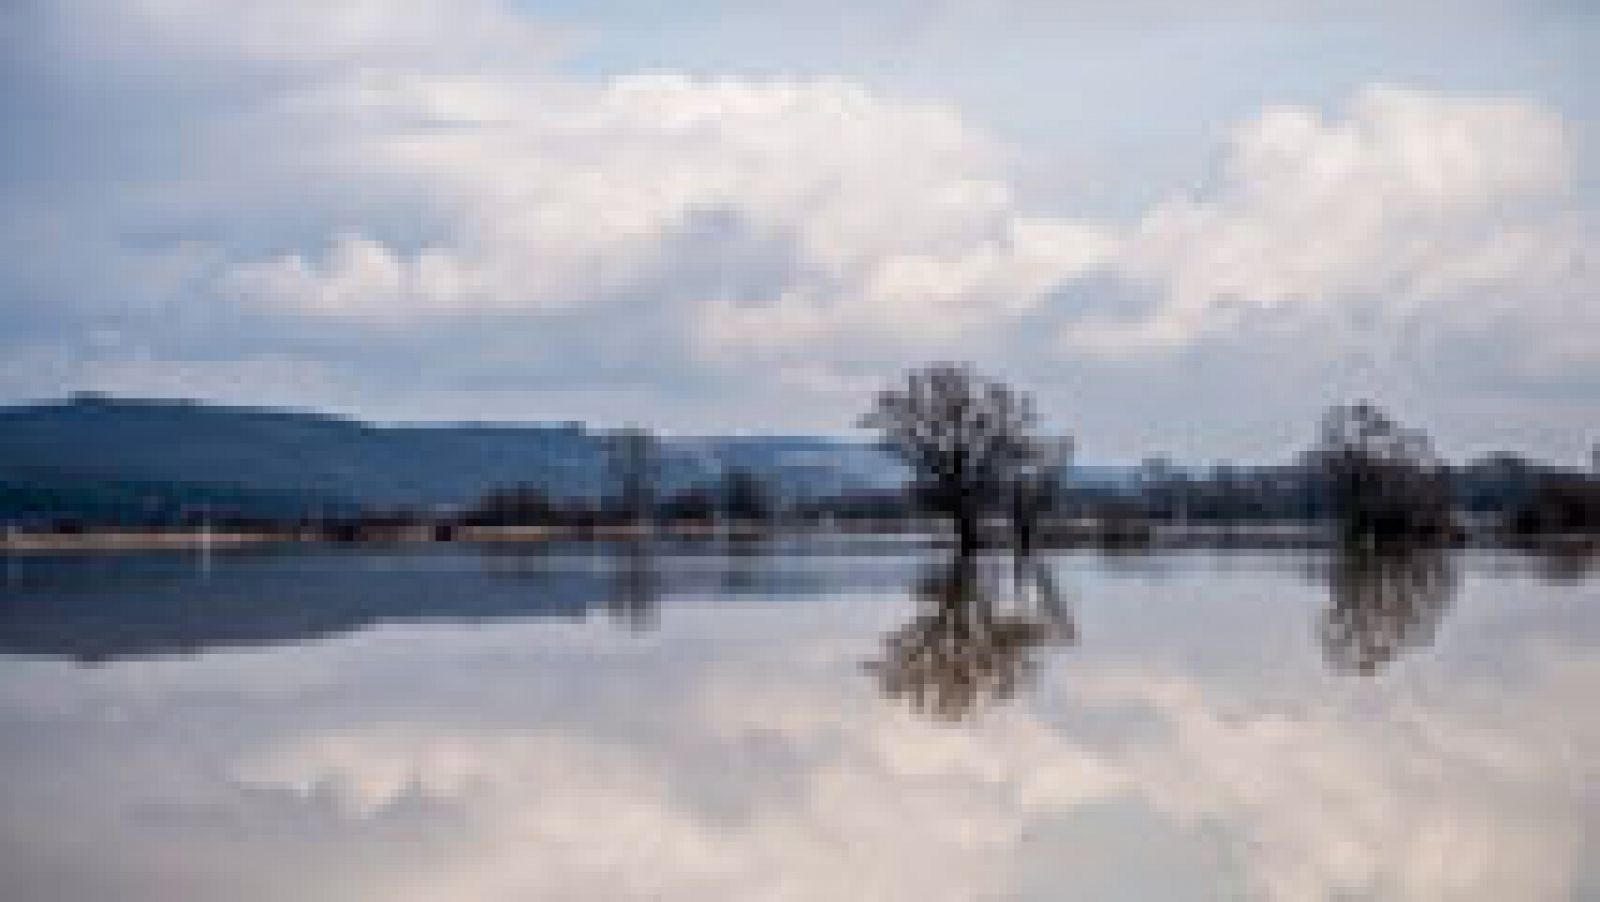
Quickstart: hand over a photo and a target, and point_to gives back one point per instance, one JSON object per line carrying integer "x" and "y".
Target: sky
{"x": 1186, "y": 228}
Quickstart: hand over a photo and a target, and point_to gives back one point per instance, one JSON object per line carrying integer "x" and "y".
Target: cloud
{"x": 351, "y": 183}
{"x": 779, "y": 219}
{"x": 771, "y": 217}
{"x": 1448, "y": 212}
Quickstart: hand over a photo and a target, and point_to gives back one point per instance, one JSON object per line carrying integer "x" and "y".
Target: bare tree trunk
{"x": 966, "y": 531}
{"x": 1022, "y": 531}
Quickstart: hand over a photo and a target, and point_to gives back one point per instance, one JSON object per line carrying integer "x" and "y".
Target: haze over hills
{"x": 92, "y": 451}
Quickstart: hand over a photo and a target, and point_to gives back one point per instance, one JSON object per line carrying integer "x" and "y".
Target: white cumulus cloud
{"x": 1412, "y": 207}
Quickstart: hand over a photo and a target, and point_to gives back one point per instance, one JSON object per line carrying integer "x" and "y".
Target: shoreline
{"x": 1160, "y": 537}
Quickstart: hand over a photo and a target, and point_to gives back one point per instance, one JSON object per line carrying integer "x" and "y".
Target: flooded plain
{"x": 782, "y": 723}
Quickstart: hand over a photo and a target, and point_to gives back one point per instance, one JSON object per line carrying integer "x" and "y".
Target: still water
{"x": 459, "y": 724}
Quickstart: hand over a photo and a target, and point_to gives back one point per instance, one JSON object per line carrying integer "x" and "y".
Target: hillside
{"x": 93, "y": 453}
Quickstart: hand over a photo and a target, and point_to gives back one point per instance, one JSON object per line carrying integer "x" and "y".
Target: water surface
{"x": 369, "y": 724}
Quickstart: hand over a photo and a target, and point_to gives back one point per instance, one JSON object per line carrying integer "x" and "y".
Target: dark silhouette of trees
{"x": 963, "y": 436}
{"x": 1384, "y": 482}
{"x": 1036, "y": 490}
{"x": 1496, "y": 485}
{"x": 695, "y": 505}
{"x": 517, "y": 505}
{"x": 964, "y": 647}
{"x": 745, "y": 497}
{"x": 633, "y": 457}
{"x": 1162, "y": 488}
{"x": 1558, "y": 504}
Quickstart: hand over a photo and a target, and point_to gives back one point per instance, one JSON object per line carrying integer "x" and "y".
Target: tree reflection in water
{"x": 1382, "y": 602}
{"x": 970, "y": 642}
{"x": 635, "y": 598}
{"x": 1563, "y": 561}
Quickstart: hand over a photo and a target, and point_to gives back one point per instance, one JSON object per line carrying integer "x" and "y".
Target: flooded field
{"x": 450, "y": 723}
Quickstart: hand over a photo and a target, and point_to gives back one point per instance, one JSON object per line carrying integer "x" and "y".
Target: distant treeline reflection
{"x": 980, "y": 625}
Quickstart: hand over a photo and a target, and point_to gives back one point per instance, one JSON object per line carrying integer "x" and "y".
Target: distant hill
{"x": 91, "y": 455}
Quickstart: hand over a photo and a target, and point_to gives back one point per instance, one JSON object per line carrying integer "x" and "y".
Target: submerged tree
{"x": 1384, "y": 482}
{"x": 966, "y": 439}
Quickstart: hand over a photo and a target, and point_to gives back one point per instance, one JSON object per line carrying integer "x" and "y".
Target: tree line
{"x": 978, "y": 461}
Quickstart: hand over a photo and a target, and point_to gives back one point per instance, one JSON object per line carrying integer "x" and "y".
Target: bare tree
{"x": 1384, "y": 481}
{"x": 633, "y": 456}
{"x": 745, "y": 497}
{"x": 1036, "y": 489}
{"x": 964, "y": 437}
